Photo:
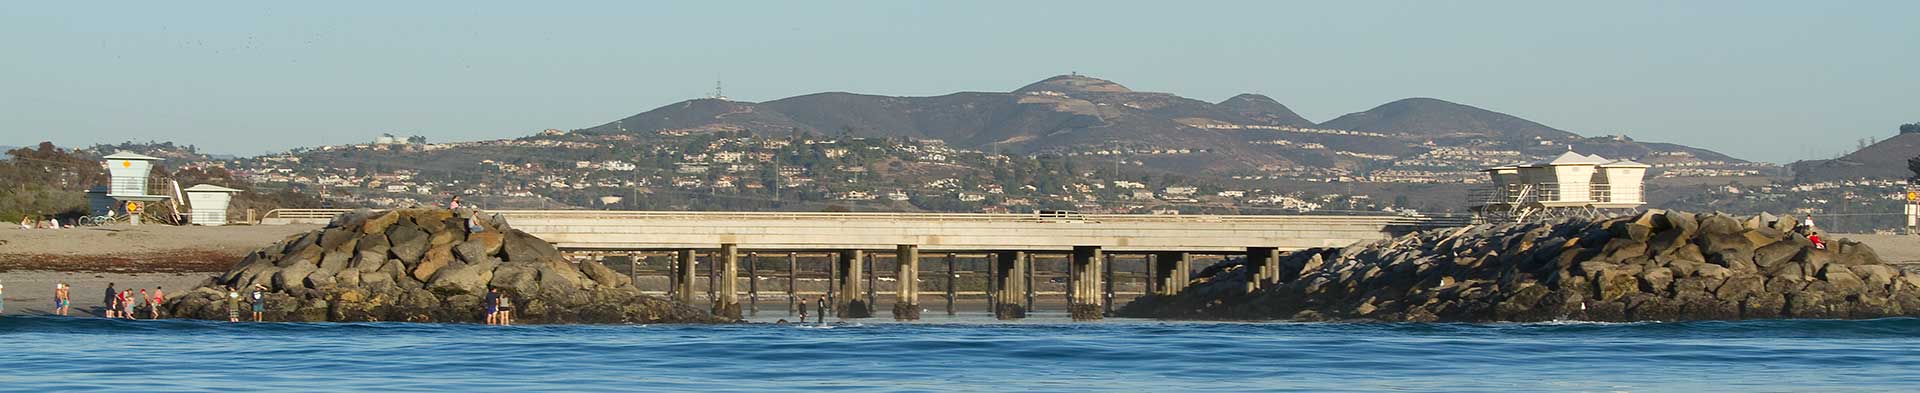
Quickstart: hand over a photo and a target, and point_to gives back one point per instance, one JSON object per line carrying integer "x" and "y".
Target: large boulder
{"x": 521, "y": 247}
{"x": 407, "y": 242}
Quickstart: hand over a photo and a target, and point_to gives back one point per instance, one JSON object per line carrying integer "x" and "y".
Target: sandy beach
{"x": 147, "y": 256}
{"x": 135, "y": 249}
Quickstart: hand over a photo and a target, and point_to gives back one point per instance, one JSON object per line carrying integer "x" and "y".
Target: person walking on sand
{"x": 61, "y": 300}
{"x": 158, "y": 298}
{"x": 111, "y": 306}
{"x": 259, "y": 301}
{"x": 233, "y": 305}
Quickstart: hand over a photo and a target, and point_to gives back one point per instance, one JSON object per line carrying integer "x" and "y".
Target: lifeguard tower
{"x": 1571, "y": 184}
{"x": 209, "y": 204}
{"x": 129, "y": 189}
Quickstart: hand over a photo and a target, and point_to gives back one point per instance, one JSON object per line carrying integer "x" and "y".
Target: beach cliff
{"x": 1657, "y": 265}
{"x": 428, "y": 265}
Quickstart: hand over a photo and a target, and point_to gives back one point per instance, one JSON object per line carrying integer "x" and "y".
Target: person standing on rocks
{"x": 1808, "y": 223}
{"x": 259, "y": 296}
{"x": 111, "y": 305}
{"x": 61, "y": 300}
{"x": 233, "y": 304}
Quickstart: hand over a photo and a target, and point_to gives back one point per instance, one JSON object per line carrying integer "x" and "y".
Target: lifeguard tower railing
{"x": 1518, "y": 202}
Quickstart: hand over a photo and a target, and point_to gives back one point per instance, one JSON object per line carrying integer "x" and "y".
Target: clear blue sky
{"x": 1768, "y": 81}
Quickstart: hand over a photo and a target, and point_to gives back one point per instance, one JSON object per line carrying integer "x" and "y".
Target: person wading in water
{"x": 823, "y": 309}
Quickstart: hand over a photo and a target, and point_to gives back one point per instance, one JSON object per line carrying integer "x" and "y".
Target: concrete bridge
{"x": 1009, "y": 241}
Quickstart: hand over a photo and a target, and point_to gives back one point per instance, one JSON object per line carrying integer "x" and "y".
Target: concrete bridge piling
{"x": 850, "y": 270}
{"x": 1010, "y": 281}
{"x": 906, "y": 307}
{"x": 1087, "y": 295}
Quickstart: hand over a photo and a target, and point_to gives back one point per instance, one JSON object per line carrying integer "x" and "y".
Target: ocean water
{"x": 964, "y": 353}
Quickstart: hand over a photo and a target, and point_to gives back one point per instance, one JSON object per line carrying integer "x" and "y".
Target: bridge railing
{"x": 947, "y": 217}
{"x": 306, "y": 214}
{"x": 1420, "y": 221}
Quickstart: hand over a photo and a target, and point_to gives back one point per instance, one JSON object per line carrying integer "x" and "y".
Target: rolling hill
{"x": 1077, "y": 114}
{"x": 1886, "y": 159}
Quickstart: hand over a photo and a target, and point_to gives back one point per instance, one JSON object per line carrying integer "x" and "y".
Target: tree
{"x": 1912, "y": 128}
{"x": 1913, "y": 164}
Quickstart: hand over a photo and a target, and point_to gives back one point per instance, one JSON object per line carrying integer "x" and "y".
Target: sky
{"x": 1761, "y": 80}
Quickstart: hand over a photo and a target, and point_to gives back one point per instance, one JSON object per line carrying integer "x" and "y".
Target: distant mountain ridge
{"x": 1077, "y": 114}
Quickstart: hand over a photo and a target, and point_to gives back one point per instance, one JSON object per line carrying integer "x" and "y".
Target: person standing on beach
{"x": 259, "y": 301}
{"x": 144, "y": 301}
{"x": 3, "y": 299}
{"x": 111, "y": 306}
{"x": 158, "y": 298}
{"x": 61, "y": 300}
{"x": 126, "y": 303}
{"x": 233, "y": 305}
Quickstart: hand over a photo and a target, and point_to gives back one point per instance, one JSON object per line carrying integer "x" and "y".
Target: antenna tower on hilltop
{"x": 718, "y": 94}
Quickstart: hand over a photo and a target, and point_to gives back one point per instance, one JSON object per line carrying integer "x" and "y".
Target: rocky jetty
{"x": 1658, "y": 265}
{"x": 428, "y": 265}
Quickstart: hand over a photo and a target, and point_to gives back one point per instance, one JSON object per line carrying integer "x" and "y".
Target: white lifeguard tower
{"x": 1571, "y": 184}
{"x": 129, "y": 188}
{"x": 209, "y": 203}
